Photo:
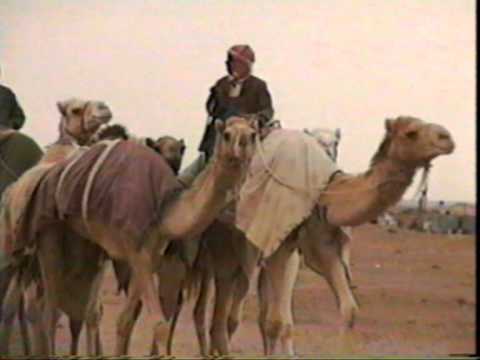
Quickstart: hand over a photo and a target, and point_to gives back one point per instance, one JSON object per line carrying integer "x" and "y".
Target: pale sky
{"x": 347, "y": 64}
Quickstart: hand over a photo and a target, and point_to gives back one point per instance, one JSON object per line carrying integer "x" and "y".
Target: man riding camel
{"x": 238, "y": 93}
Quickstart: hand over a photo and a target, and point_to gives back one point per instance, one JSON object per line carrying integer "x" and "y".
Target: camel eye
{"x": 226, "y": 136}
{"x": 412, "y": 134}
{"x": 76, "y": 111}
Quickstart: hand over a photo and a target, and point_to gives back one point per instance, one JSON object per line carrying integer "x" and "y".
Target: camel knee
{"x": 94, "y": 316}
{"x": 348, "y": 313}
{"x": 232, "y": 325}
{"x": 124, "y": 324}
{"x": 278, "y": 330}
{"x": 217, "y": 330}
{"x": 199, "y": 319}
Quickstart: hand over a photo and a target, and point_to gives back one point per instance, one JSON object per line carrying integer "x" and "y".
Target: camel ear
{"x": 182, "y": 146}
{"x": 62, "y": 107}
{"x": 389, "y": 125}
{"x": 338, "y": 133}
{"x": 219, "y": 126}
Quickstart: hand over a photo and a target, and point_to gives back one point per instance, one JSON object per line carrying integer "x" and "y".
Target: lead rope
{"x": 423, "y": 185}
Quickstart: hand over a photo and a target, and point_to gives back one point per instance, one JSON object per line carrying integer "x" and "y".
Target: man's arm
{"x": 211, "y": 102}
{"x": 17, "y": 115}
{"x": 265, "y": 104}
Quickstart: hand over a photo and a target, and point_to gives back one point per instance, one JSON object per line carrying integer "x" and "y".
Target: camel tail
{"x": 193, "y": 279}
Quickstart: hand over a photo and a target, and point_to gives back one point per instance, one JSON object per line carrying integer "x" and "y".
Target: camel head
{"x": 413, "y": 142}
{"x": 235, "y": 140}
{"x": 171, "y": 149}
{"x": 328, "y": 139}
{"x": 81, "y": 119}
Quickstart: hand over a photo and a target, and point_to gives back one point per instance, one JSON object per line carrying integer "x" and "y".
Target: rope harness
{"x": 110, "y": 145}
{"x": 423, "y": 184}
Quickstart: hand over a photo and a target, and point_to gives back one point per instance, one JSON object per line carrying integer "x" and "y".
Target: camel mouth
{"x": 104, "y": 118}
{"x": 445, "y": 148}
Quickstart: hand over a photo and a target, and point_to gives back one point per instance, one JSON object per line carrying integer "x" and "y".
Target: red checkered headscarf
{"x": 243, "y": 53}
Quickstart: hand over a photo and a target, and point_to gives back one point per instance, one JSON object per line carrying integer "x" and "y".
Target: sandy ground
{"x": 416, "y": 295}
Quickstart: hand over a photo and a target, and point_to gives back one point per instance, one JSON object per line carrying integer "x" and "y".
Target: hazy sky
{"x": 347, "y": 64}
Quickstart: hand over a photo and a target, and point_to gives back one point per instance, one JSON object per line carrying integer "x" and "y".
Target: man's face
{"x": 236, "y": 68}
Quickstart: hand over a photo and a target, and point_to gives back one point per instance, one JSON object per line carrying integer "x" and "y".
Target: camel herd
{"x": 99, "y": 194}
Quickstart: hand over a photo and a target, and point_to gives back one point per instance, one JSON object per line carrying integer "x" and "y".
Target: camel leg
{"x": 262, "y": 297}
{"x": 336, "y": 275}
{"x": 345, "y": 252}
{"x": 50, "y": 255}
{"x": 238, "y": 301}
{"x": 219, "y": 328}
{"x": 94, "y": 313}
{"x": 92, "y": 322}
{"x": 280, "y": 275}
{"x": 173, "y": 323}
{"x": 200, "y": 312}
{"x": 34, "y": 304}
{"x": 324, "y": 251}
{"x": 23, "y": 327}
{"x": 143, "y": 277}
{"x": 75, "y": 329}
{"x": 10, "y": 308}
{"x": 126, "y": 322}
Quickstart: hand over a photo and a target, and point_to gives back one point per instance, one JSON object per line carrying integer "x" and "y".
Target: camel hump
{"x": 287, "y": 174}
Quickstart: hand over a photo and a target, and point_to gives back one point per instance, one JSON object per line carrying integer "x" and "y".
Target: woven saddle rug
{"x": 118, "y": 183}
{"x": 286, "y": 176}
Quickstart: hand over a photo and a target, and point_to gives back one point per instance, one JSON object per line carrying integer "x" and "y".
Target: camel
{"x": 219, "y": 260}
{"x": 409, "y": 144}
{"x": 185, "y": 216}
{"x": 328, "y": 138}
{"x": 169, "y": 147}
{"x": 81, "y": 251}
{"x": 80, "y": 119}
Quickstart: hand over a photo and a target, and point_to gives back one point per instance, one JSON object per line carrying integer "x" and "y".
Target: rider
{"x": 11, "y": 114}
{"x": 238, "y": 93}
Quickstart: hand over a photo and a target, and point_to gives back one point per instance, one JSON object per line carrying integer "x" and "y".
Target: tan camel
{"x": 185, "y": 217}
{"x": 82, "y": 253}
{"x": 79, "y": 120}
{"x": 224, "y": 258}
{"x": 408, "y": 145}
{"x": 171, "y": 149}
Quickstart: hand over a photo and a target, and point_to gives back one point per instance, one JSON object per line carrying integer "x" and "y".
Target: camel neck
{"x": 201, "y": 203}
{"x": 354, "y": 200}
